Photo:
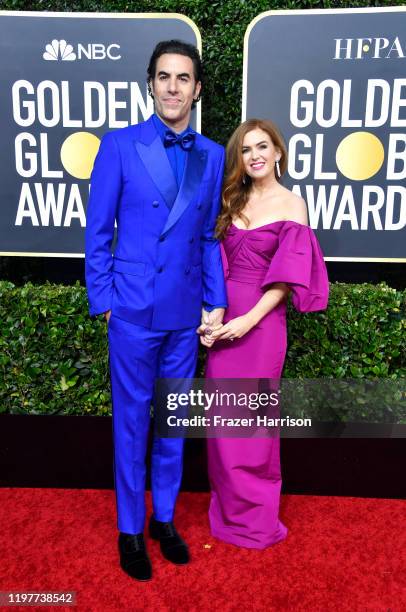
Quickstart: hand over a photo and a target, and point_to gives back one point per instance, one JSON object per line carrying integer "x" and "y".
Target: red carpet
{"x": 341, "y": 554}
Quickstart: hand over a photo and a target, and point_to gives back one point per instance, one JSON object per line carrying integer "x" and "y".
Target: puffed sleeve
{"x": 298, "y": 262}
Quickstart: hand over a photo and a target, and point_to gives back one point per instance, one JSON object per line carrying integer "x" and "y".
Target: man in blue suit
{"x": 160, "y": 181}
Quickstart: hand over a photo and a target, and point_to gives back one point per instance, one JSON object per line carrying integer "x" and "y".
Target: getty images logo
{"x": 60, "y": 50}
{"x": 374, "y": 48}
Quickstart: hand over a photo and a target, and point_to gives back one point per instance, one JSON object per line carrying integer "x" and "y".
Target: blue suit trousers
{"x": 138, "y": 356}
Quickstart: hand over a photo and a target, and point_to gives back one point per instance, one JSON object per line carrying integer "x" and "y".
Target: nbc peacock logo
{"x": 59, "y": 50}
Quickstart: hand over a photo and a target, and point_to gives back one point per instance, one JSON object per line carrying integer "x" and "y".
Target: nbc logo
{"x": 59, "y": 49}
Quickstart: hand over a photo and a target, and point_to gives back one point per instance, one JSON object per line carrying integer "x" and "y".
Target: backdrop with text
{"x": 67, "y": 78}
{"x": 333, "y": 81}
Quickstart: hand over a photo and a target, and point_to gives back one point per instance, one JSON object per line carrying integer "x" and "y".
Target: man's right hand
{"x": 107, "y": 315}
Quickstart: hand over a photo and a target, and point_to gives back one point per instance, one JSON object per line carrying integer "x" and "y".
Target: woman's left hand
{"x": 236, "y": 328}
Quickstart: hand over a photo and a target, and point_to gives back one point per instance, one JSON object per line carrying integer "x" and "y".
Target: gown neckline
{"x": 252, "y": 229}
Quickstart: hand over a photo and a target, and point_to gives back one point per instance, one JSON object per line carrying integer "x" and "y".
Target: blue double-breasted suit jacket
{"x": 166, "y": 262}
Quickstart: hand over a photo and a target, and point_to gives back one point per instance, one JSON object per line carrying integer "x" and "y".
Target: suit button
{"x": 161, "y": 238}
{"x": 160, "y": 269}
{"x": 191, "y": 240}
{"x": 155, "y": 204}
{"x": 187, "y": 270}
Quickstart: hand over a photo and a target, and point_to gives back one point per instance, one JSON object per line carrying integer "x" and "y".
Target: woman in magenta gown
{"x": 268, "y": 252}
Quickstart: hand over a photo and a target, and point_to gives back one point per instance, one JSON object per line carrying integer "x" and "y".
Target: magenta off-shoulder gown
{"x": 244, "y": 473}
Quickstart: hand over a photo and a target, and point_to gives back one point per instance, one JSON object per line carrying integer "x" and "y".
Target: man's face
{"x": 174, "y": 88}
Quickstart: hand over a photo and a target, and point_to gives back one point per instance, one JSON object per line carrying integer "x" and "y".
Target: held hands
{"x": 236, "y": 328}
{"x": 211, "y": 321}
{"x": 107, "y": 315}
{"x": 211, "y": 328}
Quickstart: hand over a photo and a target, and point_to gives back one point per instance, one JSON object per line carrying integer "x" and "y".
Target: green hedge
{"x": 222, "y": 24}
{"x": 53, "y": 357}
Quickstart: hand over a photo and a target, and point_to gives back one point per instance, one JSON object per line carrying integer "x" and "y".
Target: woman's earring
{"x": 278, "y": 170}
{"x": 244, "y": 180}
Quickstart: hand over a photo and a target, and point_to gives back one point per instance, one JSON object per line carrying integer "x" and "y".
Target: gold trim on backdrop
{"x": 82, "y": 255}
{"x": 370, "y": 259}
{"x": 22, "y": 254}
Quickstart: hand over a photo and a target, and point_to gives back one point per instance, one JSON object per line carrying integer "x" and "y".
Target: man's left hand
{"x": 215, "y": 317}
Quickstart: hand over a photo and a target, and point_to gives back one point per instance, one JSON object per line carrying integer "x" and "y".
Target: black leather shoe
{"x": 173, "y": 547}
{"x": 133, "y": 556}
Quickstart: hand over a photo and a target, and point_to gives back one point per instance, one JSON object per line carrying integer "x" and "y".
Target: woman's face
{"x": 259, "y": 154}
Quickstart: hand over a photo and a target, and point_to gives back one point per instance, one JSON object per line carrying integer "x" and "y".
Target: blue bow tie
{"x": 186, "y": 142}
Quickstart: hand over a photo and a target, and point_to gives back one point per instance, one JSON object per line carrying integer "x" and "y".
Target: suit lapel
{"x": 153, "y": 155}
{"x": 196, "y": 160}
